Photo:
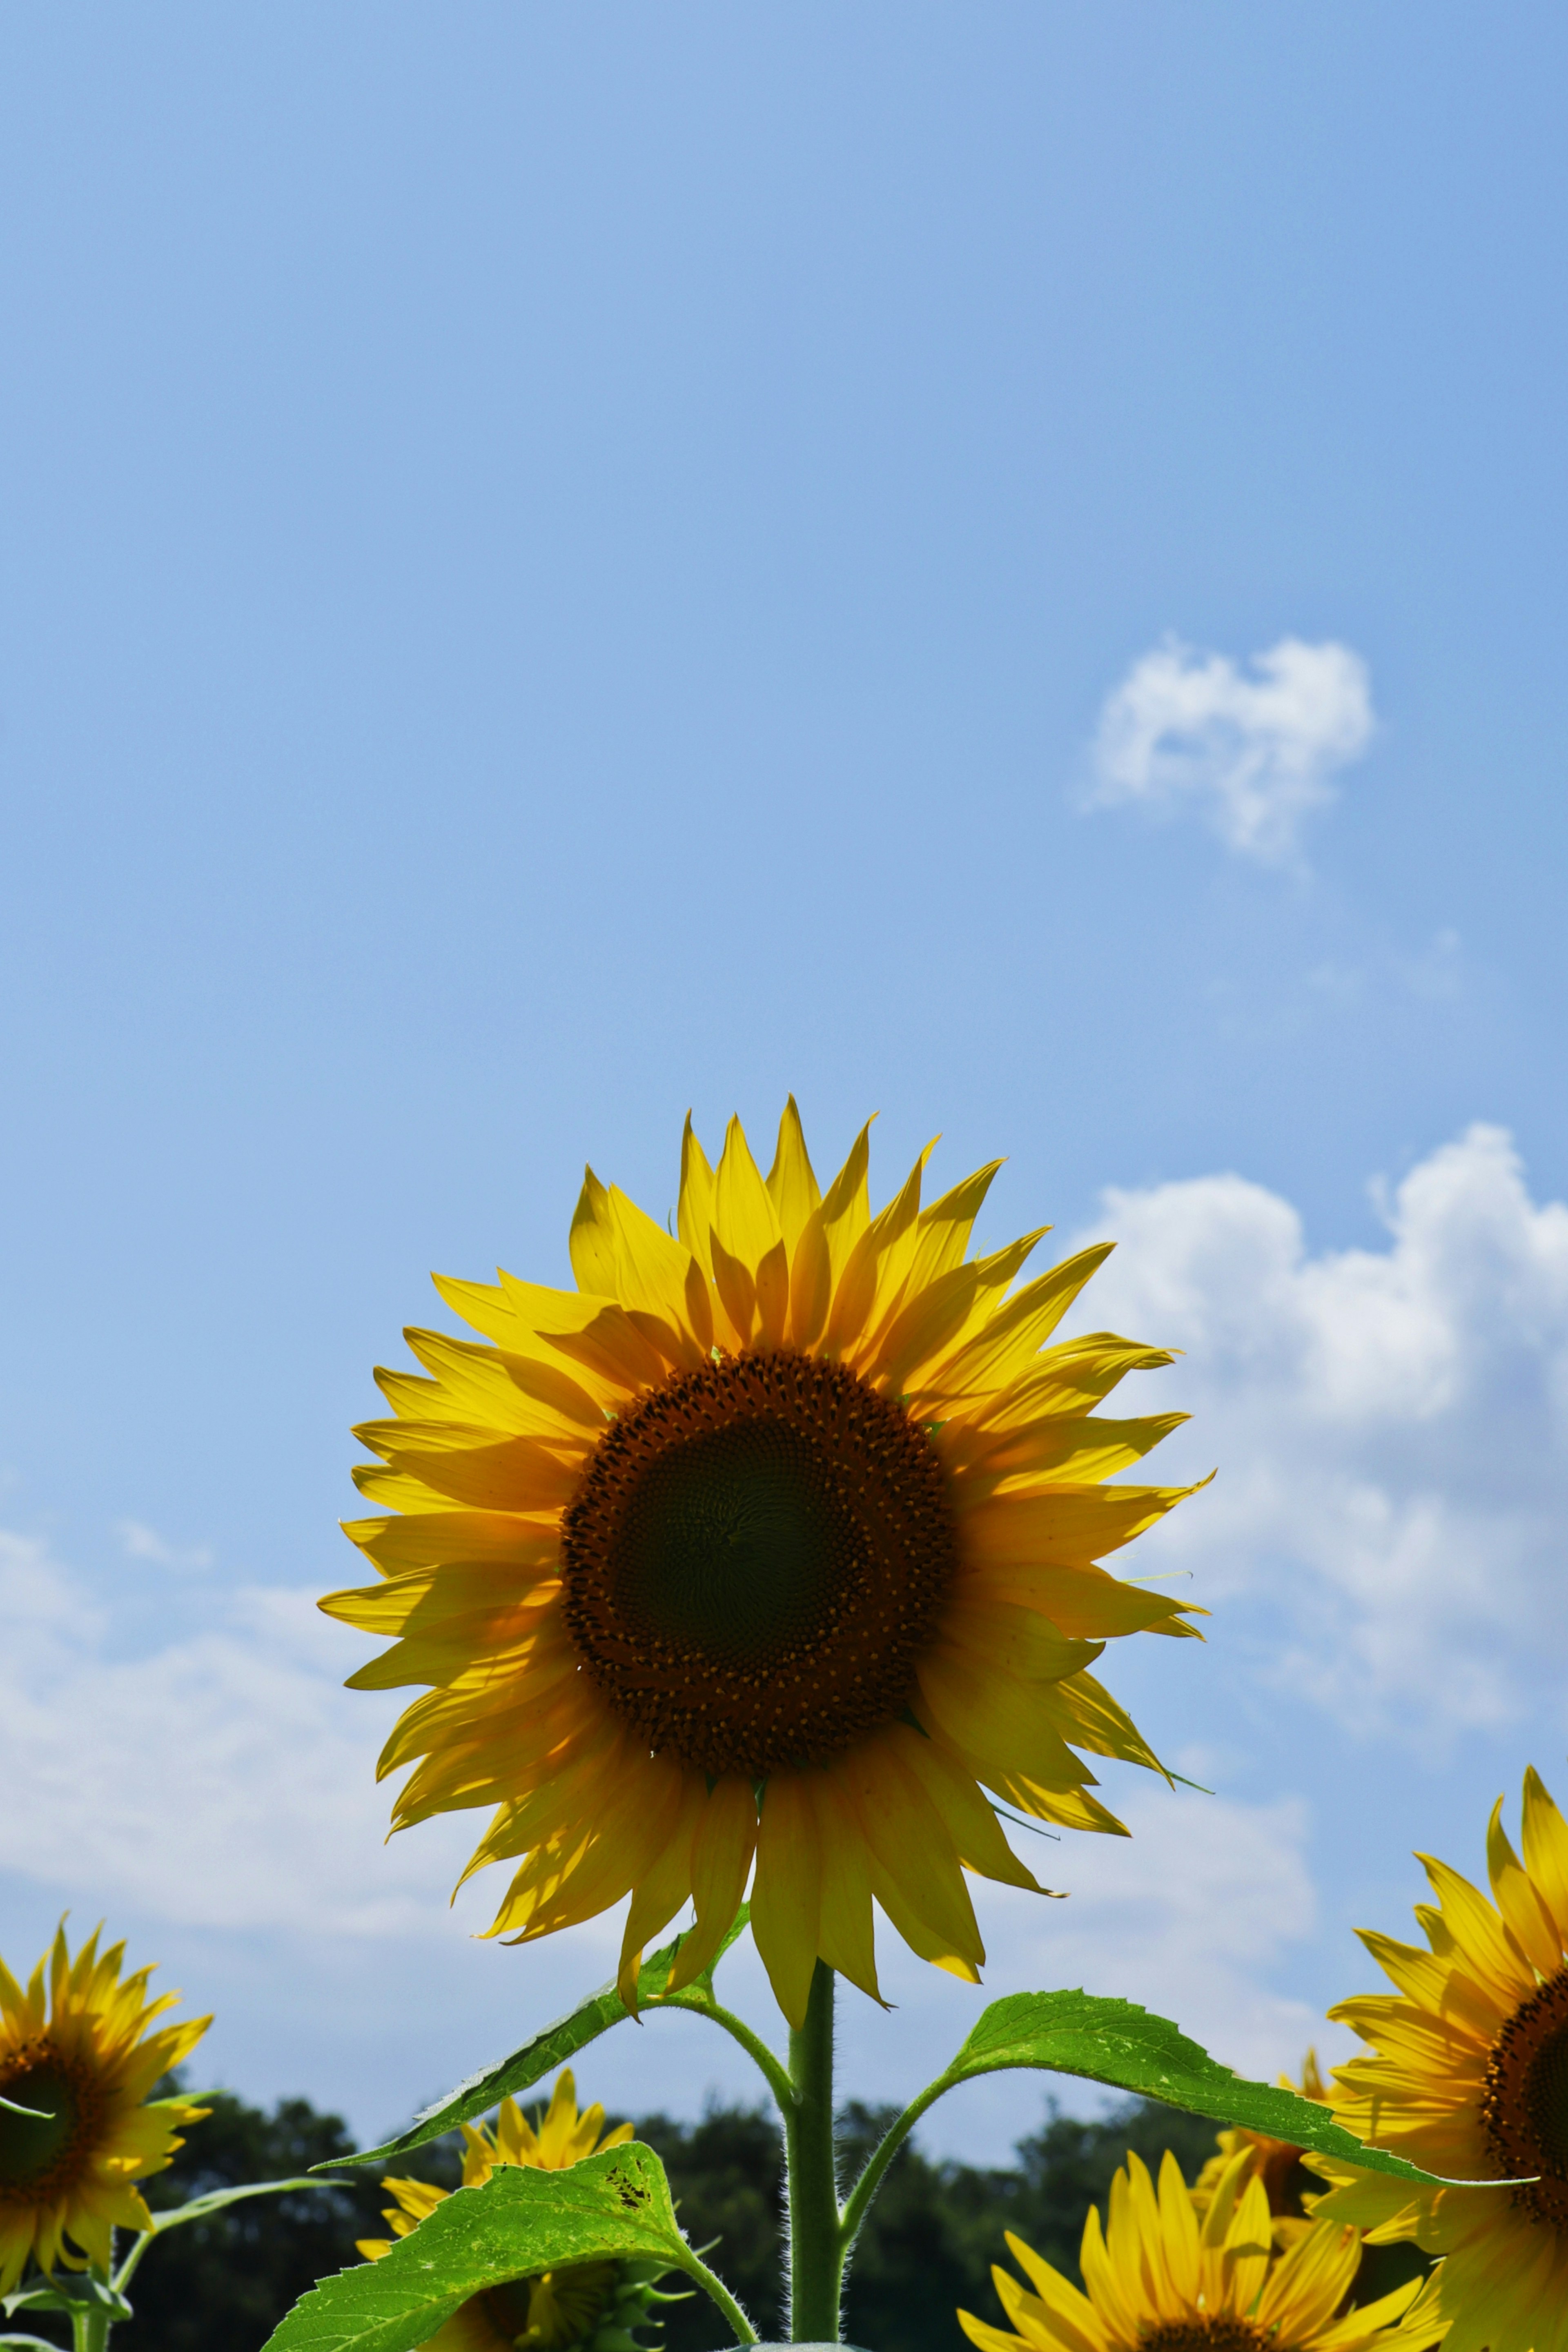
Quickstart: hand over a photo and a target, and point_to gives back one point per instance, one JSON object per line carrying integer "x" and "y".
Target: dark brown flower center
{"x": 1222, "y": 2333}
{"x": 44, "y": 2152}
{"x": 755, "y": 1560}
{"x": 1525, "y": 2103}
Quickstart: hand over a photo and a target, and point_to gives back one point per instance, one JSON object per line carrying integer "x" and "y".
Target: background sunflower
{"x": 1468, "y": 2077}
{"x": 75, "y": 2049}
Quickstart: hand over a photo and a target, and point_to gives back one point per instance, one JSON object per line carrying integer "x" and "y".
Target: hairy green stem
{"x": 815, "y": 2245}
{"x": 777, "y": 2077}
{"x": 857, "y": 2203}
{"x": 713, "y": 2286}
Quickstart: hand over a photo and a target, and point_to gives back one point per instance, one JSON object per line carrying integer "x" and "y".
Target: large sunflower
{"x": 774, "y": 1541}
{"x": 1469, "y": 2079}
{"x": 557, "y": 2310}
{"x": 1163, "y": 2278}
{"x": 83, "y": 2060}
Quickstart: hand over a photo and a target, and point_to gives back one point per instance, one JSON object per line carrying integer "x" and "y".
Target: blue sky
{"x": 563, "y": 563}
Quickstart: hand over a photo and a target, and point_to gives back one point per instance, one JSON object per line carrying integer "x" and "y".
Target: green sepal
{"x": 521, "y": 2220}
{"x": 34, "y": 2114}
{"x": 1116, "y": 2042}
{"x": 546, "y": 2052}
{"x": 60, "y": 2290}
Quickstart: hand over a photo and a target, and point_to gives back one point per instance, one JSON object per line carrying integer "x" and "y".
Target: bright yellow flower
{"x": 558, "y": 2309}
{"x": 82, "y": 2058}
{"x": 1470, "y": 2079}
{"x": 1162, "y": 2279}
{"x": 774, "y": 1541}
{"x": 1276, "y": 2162}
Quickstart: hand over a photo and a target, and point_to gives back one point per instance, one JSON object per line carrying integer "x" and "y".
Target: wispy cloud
{"x": 1251, "y": 755}
{"x": 142, "y": 1542}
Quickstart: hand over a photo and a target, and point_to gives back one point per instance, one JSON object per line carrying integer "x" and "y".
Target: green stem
{"x": 127, "y": 2270}
{"x": 89, "y": 2328}
{"x": 816, "y": 2246}
{"x": 703, "y": 2005}
{"x": 857, "y": 2203}
{"x": 714, "y": 2286}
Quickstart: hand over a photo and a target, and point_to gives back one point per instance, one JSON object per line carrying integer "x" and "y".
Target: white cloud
{"x": 222, "y": 1787}
{"x": 1388, "y": 1423}
{"x": 142, "y": 1542}
{"x": 1251, "y": 755}
{"x": 223, "y": 1781}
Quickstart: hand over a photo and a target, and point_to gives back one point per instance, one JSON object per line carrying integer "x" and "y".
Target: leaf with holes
{"x": 520, "y": 2221}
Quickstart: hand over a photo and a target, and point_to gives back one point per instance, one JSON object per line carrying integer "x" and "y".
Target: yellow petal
{"x": 844, "y": 1917}
{"x": 744, "y": 1217}
{"x": 1525, "y": 1915}
{"x": 787, "y": 1893}
{"x": 1546, "y": 1849}
{"x": 792, "y": 1180}
{"x": 592, "y": 1241}
{"x": 723, "y": 1846}
{"x": 695, "y": 1213}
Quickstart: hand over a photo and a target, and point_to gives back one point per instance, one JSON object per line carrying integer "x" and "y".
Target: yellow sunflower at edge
{"x": 1468, "y": 2077}
{"x": 1163, "y": 2278}
{"x": 558, "y": 2309}
{"x": 80, "y": 2058}
{"x": 772, "y": 1546}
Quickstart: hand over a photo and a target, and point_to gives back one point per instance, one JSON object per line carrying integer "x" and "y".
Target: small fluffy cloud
{"x": 1388, "y": 1423}
{"x": 1252, "y": 755}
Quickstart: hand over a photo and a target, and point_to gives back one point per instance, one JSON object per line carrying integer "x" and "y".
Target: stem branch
{"x": 714, "y": 2286}
{"x": 776, "y": 2075}
{"x": 859, "y": 2203}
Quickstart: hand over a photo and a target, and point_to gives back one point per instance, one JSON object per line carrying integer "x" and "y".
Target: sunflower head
{"x": 1466, "y": 2073}
{"x": 769, "y": 1548}
{"x": 1162, "y": 2277}
{"x": 74, "y": 2048}
{"x": 1277, "y": 2163}
{"x": 582, "y": 2304}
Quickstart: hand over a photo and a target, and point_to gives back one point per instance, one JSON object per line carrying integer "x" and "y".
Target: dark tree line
{"x": 222, "y": 2285}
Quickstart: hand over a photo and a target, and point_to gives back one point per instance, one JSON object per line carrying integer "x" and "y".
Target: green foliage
{"x": 1116, "y": 2042}
{"x": 221, "y": 2283}
{"x": 615, "y": 2205}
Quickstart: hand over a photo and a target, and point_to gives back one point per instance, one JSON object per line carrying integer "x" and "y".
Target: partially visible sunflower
{"x": 83, "y": 2060}
{"x": 1469, "y": 2080}
{"x": 774, "y": 1541}
{"x": 1162, "y": 2279}
{"x": 1276, "y": 2163}
{"x": 586, "y": 2304}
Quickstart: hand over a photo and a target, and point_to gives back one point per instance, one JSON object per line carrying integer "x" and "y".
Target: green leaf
{"x": 1117, "y": 2042}
{"x": 522, "y": 2220}
{"x": 40, "y": 2342}
{"x": 545, "y": 2052}
{"x": 216, "y": 2198}
{"x": 37, "y": 2115}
